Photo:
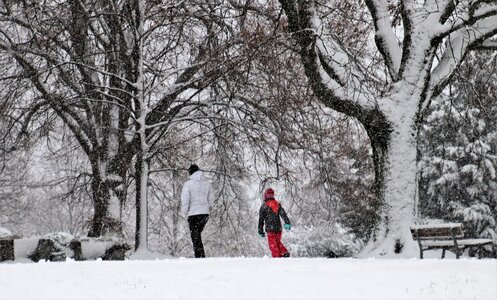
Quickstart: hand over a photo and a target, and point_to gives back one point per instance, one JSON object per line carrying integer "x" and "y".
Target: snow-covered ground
{"x": 252, "y": 278}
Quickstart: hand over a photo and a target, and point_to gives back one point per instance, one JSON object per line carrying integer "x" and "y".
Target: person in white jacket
{"x": 196, "y": 199}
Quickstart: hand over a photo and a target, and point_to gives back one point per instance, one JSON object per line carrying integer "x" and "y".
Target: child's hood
{"x": 273, "y": 204}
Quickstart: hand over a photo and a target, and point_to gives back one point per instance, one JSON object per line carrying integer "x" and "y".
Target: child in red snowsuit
{"x": 269, "y": 215}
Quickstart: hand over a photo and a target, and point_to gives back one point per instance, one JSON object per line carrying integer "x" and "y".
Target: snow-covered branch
{"x": 440, "y": 9}
{"x": 487, "y": 45}
{"x": 407, "y": 9}
{"x": 478, "y": 11}
{"x": 332, "y": 69}
{"x": 171, "y": 116}
{"x": 338, "y": 68}
{"x": 385, "y": 38}
{"x": 457, "y": 45}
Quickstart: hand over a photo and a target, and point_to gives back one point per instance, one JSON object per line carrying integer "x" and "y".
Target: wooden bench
{"x": 447, "y": 236}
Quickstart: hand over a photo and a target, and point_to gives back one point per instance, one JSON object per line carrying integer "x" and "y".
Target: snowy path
{"x": 252, "y": 278}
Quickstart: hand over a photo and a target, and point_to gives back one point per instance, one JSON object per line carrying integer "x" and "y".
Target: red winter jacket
{"x": 269, "y": 215}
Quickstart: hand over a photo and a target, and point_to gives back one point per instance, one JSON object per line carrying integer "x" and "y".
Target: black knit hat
{"x": 192, "y": 169}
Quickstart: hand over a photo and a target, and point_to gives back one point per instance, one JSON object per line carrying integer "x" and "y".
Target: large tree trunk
{"x": 108, "y": 195}
{"x": 100, "y": 197}
{"x": 105, "y": 203}
{"x": 396, "y": 182}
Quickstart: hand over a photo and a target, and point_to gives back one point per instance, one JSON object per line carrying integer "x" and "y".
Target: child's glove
{"x": 288, "y": 226}
{"x": 262, "y": 235}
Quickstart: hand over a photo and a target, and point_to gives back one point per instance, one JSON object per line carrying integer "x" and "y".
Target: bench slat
{"x": 474, "y": 242}
{"x": 431, "y": 243}
{"x": 438, "y": 232}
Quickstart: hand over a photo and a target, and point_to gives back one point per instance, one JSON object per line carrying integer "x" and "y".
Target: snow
{"x": 23, "y": 248}
{"x": 93, "y": 248}
{"x": 4, "y": 233}
{"x": 252, "y": 278}
{"x": 444, "y": 225}
{"x": 114, "y": 206}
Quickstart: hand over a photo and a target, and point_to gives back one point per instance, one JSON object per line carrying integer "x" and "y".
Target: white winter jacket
{"x": 197, "y": 195}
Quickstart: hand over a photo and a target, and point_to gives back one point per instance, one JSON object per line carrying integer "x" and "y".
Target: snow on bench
{"x": 446, "y": 236}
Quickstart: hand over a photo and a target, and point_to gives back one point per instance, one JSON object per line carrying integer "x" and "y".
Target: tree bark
{"x": 379, "y": 133}
{"x": 141, "y": 205}
{"x": 394, "y": 156}
{"x": 101, "y": 222}
{"x": 108, "y": 197}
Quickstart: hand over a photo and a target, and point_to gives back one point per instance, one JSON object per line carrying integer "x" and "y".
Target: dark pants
{"x": 197, "y": 224}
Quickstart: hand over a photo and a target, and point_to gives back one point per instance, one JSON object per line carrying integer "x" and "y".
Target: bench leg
{"x": 420, "y": 250}
{"x": 443, "y": 253}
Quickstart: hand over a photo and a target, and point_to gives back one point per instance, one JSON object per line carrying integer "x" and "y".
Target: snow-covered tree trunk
{"x": 397, "y": 185}
{"x": 391, "y": 107}
{"x": 107, "y": 201}
{"x": 142, "y": 171}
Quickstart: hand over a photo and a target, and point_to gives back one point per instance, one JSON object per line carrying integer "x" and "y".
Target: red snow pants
{"x": 275, "y": 245}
